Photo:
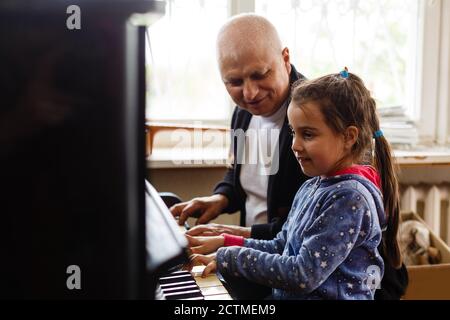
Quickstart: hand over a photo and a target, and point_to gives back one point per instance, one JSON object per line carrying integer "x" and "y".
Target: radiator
{"x": 431, "y": 202}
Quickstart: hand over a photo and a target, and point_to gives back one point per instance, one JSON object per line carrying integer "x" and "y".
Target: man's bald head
{"x": 247, "y": 33}
{"x": 254, "y": 67}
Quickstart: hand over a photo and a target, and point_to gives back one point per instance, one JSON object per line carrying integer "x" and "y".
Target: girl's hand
{"x": 208, "y": 260}
{"x": 215, "y": 229}
{"x": 205, "y": 245}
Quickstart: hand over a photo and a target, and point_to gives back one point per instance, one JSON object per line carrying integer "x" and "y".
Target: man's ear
{"x": 286, "y": 59}
{"x": 350, "y": 136}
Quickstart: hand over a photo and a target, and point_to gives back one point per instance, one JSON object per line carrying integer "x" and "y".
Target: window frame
{"x": 432, "y": 96}
{"x": 431, "y": 100}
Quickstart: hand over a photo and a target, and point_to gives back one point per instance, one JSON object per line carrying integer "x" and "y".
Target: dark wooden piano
{"x": 166, "y": 247}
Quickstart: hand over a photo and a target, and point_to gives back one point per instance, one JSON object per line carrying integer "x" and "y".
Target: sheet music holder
{"x": 165, "y": 243}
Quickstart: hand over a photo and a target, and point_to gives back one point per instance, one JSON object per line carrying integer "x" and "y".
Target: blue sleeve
{"x": 326, "y": 244}
{"x": 270, "y": 246}
{"x": 278, "y": 243}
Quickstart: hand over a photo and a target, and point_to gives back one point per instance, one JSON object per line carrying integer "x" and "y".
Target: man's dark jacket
{"x": 282, "y": 187}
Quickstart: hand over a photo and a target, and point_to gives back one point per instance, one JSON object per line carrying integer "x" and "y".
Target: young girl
{"x": 327, "y": 248}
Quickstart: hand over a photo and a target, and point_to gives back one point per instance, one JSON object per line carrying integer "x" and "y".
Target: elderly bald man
{"x": 257, "y": 74}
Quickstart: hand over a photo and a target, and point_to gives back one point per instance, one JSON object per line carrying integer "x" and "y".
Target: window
{"x": 182, "y": 74}
{"x": 375, "y": 39}
{"x": 400, "y": 48}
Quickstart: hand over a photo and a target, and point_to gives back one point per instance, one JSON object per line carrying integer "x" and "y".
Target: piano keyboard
{"x": 185, "y": 285}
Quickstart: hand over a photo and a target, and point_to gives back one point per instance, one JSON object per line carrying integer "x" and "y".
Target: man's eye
{"x": 307, "y": 135}
{"x": 234, "y": 83}
{"x": 260, "y": 76}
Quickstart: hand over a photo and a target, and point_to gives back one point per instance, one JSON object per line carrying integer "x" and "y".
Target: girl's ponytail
{"x": 384, "y": 163}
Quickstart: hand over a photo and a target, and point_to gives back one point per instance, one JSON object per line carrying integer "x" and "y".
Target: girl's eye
{"x": 292, "y": 132}
{"x": 307, "y": 135}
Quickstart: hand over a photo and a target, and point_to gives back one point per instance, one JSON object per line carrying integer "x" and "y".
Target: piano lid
{"x": 124, "y": 7}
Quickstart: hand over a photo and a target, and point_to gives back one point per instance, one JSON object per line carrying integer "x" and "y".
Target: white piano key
{"x": 209, "y": 291}
{"x": 209, "y": 281}
{"x": 219, "y": 297}
{"x": 197, "y": 271}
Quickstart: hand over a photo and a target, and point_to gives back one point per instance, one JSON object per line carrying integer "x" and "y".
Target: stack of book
{"x": 397, "y": 127}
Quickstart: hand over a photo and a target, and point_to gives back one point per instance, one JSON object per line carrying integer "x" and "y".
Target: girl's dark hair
{"x": 344, "y": 102}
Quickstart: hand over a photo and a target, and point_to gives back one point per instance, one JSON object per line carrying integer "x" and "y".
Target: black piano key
{"x": 176, "y": 274}
{"x": 184, "y": 295}
{"x": 181, "y": 289}
{"x": 174, "y": 279}
{"x": 175, "y": 284}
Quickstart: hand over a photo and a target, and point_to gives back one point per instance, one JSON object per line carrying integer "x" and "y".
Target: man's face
{"x": 257, "y": 80}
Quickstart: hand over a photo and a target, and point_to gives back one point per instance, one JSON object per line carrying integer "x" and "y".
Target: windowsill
{"x": 423, "y": 157}
{"x": 165, "y": 158}
{"x": 216, "y": 154}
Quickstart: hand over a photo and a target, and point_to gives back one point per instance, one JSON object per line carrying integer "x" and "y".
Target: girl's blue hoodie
{"x": 327, "y": 249}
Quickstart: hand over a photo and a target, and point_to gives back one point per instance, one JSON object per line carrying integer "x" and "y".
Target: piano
{"x": 73, "y": 102}
{"x": 166, "y": 248}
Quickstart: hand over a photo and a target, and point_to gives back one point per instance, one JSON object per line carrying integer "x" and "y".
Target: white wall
{"x": 188, "y": 183}
{"x": 194, "y": 182}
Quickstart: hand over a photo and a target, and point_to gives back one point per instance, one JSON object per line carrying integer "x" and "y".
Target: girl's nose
{"x": 296, "y": 146}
